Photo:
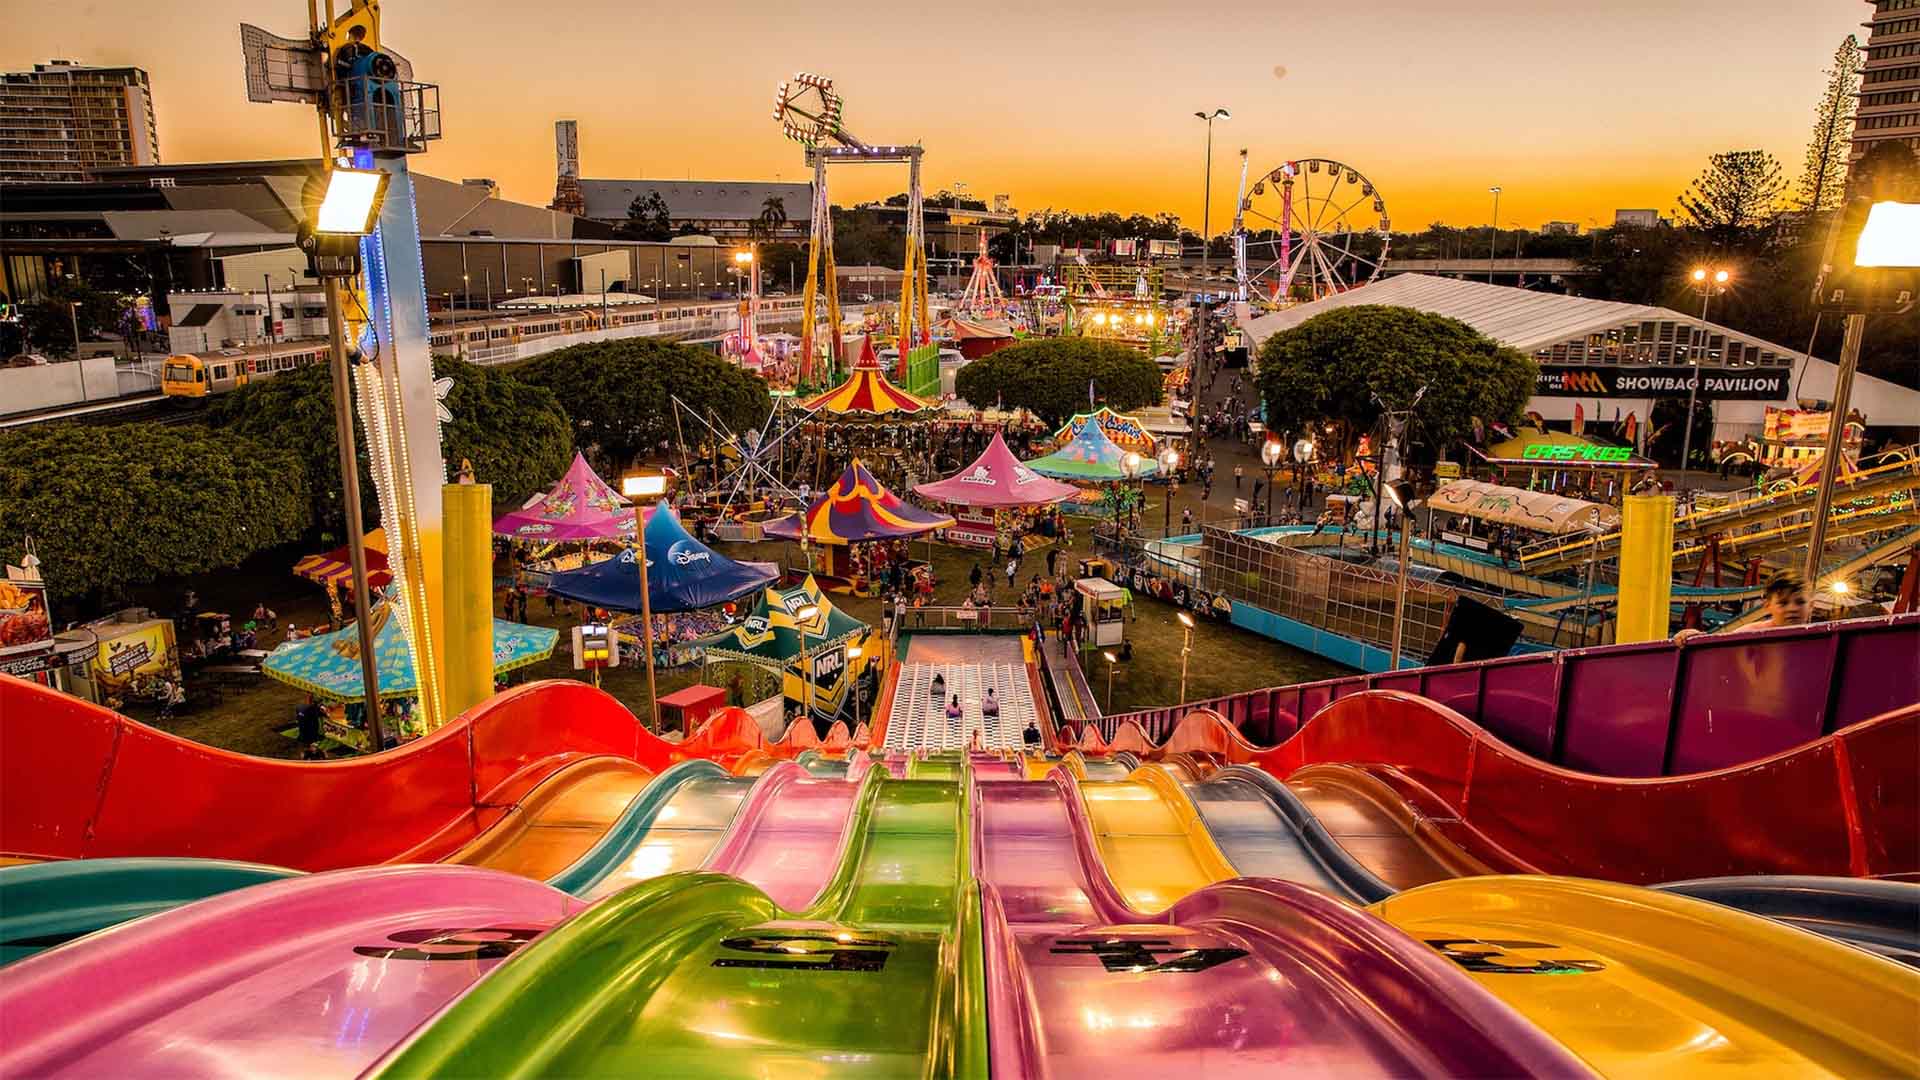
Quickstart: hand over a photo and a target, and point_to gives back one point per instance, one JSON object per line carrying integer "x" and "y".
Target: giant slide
{"x": 703, "y": 974}
{"x": 1645, "y": 971}
{"x": 324, "y": 972}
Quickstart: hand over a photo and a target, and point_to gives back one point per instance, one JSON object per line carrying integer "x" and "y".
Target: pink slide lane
{"x": 311, "y": 976}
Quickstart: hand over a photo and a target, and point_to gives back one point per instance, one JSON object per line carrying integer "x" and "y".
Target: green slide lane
{"x": 941, "y": 767}
{"x": 702, "y": 974}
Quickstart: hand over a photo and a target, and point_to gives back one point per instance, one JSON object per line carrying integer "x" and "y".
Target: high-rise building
{"x": 63, "y": 119}
{"x": 1890, "y": 78}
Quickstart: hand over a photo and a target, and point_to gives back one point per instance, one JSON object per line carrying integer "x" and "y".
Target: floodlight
{"x": 855, "y": 652}
{"x": 807, "y": 613}
{"x": 1186, "y": 620}
{"x": 643, "y": 485}
{"x": 743, "y": 256}
{"x": 1839, "y": 587}
{"x": 351, "y": 205}
{"x": 1110, "y": 658}
{"x": 1891, "y": 237}
{"x": 1400, "y": 494}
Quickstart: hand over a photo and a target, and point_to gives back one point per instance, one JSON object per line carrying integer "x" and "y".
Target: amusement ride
{"x": 1307, "y": 229}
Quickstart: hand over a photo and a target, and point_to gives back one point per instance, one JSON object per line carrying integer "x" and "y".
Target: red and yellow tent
{"x": 335, "y": 567}
{"x": 868, "y": 393}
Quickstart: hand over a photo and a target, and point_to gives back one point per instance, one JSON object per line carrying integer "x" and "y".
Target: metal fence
{"x": 1647, "y": 709}
{"x": 1328, "y": 594}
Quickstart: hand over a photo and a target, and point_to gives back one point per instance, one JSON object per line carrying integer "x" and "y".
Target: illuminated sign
{"x": 1734, "y": 384}
{"x": 1549, "y": 452}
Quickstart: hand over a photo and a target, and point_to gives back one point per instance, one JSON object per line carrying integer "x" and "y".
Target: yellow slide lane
{"x": 1640, "y": 982}
{"x": 559, "y": 820}
{"x": 1151, "y": 839}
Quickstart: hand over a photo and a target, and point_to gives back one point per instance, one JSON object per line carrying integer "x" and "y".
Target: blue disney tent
{"x": 683, "y": 574}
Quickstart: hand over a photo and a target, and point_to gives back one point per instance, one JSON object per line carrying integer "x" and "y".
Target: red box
{"x": 691, "y": 707}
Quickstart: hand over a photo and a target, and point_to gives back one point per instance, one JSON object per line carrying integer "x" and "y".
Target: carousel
{"x": 856, "y": 532}
{"x": 867, "y": 416}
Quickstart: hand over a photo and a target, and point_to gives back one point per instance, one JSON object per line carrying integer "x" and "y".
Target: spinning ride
{"x": 1308, "y": 229}
{"x": 809, "y": 112}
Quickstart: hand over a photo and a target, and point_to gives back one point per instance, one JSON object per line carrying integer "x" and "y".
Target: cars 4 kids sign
{"x": 1744, "y": 384}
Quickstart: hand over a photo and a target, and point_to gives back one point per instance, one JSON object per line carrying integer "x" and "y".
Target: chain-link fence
{"x": 1354, "y": 601}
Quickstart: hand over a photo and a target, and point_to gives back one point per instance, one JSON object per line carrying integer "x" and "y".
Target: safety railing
{"x": 1649, "y": 709}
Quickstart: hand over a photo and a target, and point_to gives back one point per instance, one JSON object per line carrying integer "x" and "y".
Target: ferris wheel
{"x": 1307, "y": 230}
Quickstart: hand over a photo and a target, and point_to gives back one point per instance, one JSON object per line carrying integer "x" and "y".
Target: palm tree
{"x": 773, "y": 214}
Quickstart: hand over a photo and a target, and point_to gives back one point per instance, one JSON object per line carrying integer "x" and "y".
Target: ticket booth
{"x": 1104, "y": 607}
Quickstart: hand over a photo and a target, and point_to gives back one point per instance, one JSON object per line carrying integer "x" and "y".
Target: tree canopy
{"x": 1826, "y": 165}
{"x": 1333, "y": 366}
{"x": 49, "y": 321}
{"x": 1736, "y": 195}
{"x": 647, "y": 218}
{"x": 1049, "y": 377}
{"x": 516, "y": 435}
{"x": 619, "y": 394}
{"x": 113, "y": 507}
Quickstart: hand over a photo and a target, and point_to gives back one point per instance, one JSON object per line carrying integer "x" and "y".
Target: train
{"x": 482, "y": 341}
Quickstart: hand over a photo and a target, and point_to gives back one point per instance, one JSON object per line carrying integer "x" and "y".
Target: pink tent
{"x": 996, "y": 478}
{"x": 580, "y": 507}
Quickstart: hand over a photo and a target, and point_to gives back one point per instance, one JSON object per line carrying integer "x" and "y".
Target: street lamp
{"x": 855, "y": 652}
{"x": 643, "y": 488}
{"x": 1107, "y": 655}
{"x": 1888, "y": 240}
{"x": 1206, "y": 201}
{"x": 1708, "y": 282}
{"x": 1186, "y": 647}
{"x": 1493, "y": 238}
{"x": 1303, "y": 450}
{"x": 801, "y": 617}
{"x": 1400, "y": 493}
{"x": 1270, "y": 452}
{"x": 1169, "y": 461}
{"x": 1129, "y": 468}
{"x": 1206, "y": 253}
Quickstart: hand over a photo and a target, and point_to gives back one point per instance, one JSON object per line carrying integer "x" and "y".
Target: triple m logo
{"x": 1582, "y": 382}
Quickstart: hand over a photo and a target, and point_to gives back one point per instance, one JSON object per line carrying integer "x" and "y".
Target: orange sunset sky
{"x": 1574, "y": 108}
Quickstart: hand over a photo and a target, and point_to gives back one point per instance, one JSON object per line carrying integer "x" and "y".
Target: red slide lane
{"x": 1847, "y": 804}
{"x": 79, "y": 781}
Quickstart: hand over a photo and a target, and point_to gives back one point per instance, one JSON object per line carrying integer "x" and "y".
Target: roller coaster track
{"x": 1902, "y": 475}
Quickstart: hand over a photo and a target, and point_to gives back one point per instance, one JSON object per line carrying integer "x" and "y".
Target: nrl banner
{"x": 1746, "y": 384}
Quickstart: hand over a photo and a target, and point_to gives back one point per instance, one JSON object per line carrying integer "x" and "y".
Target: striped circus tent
{"x": 857, "y": 508}
{"x": 335, "y": 568}
{"x": 868, "y": 393}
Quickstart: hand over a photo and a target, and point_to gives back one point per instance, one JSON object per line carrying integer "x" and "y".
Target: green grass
{"x": 248, "y": 715}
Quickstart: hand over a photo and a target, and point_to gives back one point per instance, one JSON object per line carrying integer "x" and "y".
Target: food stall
{"x": 1103, "y": 606}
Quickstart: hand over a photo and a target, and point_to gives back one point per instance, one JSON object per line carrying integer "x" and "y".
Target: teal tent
{"x": 329, "y": 665}
{"x": 1091, "y": 457}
